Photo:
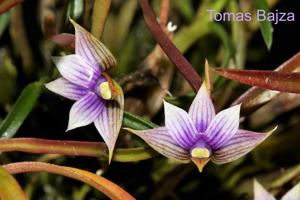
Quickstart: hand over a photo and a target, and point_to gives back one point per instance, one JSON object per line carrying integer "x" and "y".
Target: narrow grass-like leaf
{"x": 4, "y": 21}
{"x": 21, "y": 109}
{"x": 132, "y": 121}
{"x": 100, "y": 12}
{"x": 109, "y": 188}
{"x": 273, "y": 80}
{"x": 5, "y": 5}
{"x": 266, "y": 27}
{"x": 9, "y": 187}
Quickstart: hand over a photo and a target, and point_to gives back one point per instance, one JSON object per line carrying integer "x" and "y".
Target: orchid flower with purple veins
{"x": 98, "y": 98}
{"x": 201, "y": 135}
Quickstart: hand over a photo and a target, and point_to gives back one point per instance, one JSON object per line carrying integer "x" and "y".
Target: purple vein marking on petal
{"x": 186, "y": 131}
{"x": 81, "y": 50}
{"x": 91, "y": 44}
{"x": 182, "y": 137}
{"x": 162, "y": 140}
{"x": 87, "y": 51}
{"x": 220, "y": 137}
{"x": 89, "y": 103}
{"x": 66, "y": 89}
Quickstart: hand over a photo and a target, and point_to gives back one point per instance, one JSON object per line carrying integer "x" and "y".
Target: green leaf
{"x": 4, "y": 20}
{"x": 132, "y": 121}
{"x": 9, "y": 187}
{"x": 266, "y": 27}
{"x": 20, "y": 109}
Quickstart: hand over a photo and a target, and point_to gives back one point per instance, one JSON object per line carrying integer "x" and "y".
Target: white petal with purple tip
{"x": 109, "y": 122}
{"x": 66, "y": 89}
{"x": 223, "y": 127}
{"x": 239, "y": 145}
{"x": 89, "y": 47}
{"x": 202, "y": 110}
{"x": 181, "y": 127}
{"x": 161, "y": 141}
{"x": 85, "y": 111}
{"x": 77, "y": 70}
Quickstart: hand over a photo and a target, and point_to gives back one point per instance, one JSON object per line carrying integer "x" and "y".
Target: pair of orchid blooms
{"x": 198, "y": 135}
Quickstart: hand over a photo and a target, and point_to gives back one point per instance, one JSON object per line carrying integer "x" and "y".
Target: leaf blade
{"x": 272, "y": 80}
{"x": 21, "y": 109}
{"x": 265, "y": 26}
{"x": 9, "y": 187}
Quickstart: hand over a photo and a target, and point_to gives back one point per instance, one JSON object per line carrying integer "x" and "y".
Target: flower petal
{"x": 180, "y": 125}
{"x": 223, "y": 127}
{"x": 239, "y": 145}
{"x": 89, "y": 47}
{"x": 202, "y": 110}
{"x": 293, "y": 193}
{"x": 66, "y": 89}
{"x": 260, "y": 193}
{"x": 161, "y": 141}
{"x": 109, "y": 122}
{"x": 85, "y": 111}
{"x": 77, "y": 70}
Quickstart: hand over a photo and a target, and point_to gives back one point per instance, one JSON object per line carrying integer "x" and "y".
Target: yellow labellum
{"x": 200, "y": 153}
{"x": 105, "y": 91}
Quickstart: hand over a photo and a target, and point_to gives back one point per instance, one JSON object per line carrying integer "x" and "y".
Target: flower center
{"x": 200, "y": 152}
{"x": 200, "y": 149}
{"x": 105, "y": 91}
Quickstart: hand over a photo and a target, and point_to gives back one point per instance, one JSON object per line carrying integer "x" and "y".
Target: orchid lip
{"x": 200, "y": 152}
{"x": 105, "y": 91}
{"x": 200, "y": 149}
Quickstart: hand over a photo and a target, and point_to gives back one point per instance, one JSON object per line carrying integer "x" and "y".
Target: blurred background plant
{"x": 28, "y": 39}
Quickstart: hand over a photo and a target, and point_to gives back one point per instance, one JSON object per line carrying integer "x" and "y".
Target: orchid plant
{"x": 99, "y": 99}
{"x": 155, "y": 58}
{"x": 201, "y": 135}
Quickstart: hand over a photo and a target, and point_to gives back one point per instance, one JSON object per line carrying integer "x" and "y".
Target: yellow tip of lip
{"x": 200, "y": 163}
{"x": 105, "y": 91}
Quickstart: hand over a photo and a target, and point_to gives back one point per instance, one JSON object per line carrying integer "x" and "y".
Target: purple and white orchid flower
{"x": 200, "y": 134}
{"x": 98, "y": 98}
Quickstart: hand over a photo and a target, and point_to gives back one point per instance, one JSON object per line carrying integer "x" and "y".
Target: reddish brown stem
{"x": 183, "y": 66}
{"x": 70, "y": 148}
{"x": 109, "y": 188}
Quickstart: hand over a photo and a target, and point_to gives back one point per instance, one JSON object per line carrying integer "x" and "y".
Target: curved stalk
{"x": 109, "y": 188}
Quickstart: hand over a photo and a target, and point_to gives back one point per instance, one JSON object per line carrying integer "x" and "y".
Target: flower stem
{"x": 183, "y": 66}
{"x": 109, "y": 188}
{"x": 74, "y": 148}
